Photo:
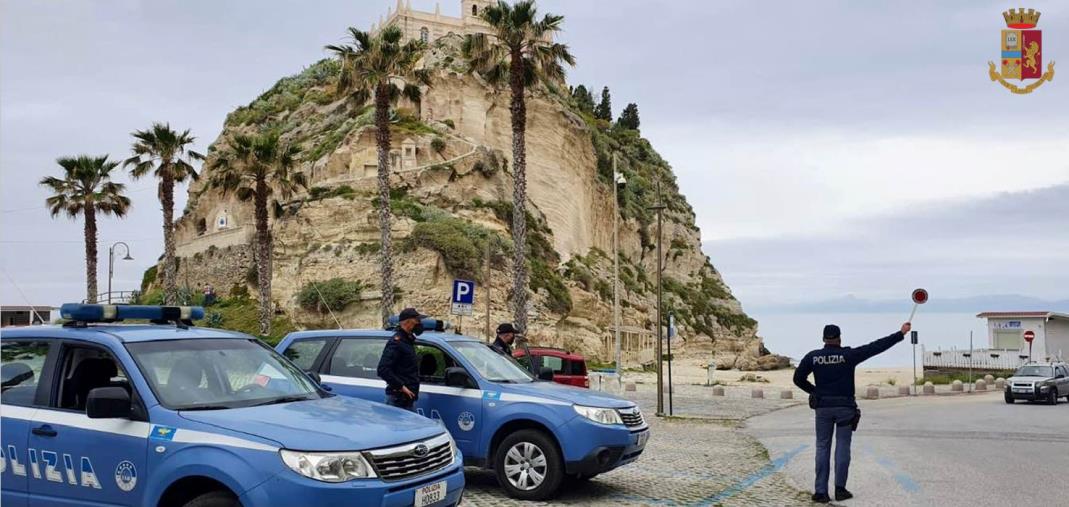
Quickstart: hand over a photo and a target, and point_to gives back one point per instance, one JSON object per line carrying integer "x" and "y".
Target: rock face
{"x": 452, "y": 181}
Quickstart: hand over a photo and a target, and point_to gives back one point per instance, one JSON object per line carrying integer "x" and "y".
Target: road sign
{"x": 913, "y": 337}
{"x": 671, "y": 326}
{"x": 1029, "y": 336}
{"x": 463, "y": 298}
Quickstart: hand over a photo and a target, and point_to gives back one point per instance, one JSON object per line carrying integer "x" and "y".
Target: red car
{"x": 568, "y": 369}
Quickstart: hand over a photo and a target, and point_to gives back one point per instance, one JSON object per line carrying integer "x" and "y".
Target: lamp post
{"x": 111, "y": 262}
{"x": 618, "y": 182}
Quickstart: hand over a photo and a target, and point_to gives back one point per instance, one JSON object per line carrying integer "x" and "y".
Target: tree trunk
{"x": 518, "y": 109}
{"x": 382, "y": 140}
{"x": 170, "y": 283}
{"x": 263, "y": 256}
{"x": 90, "y": 253}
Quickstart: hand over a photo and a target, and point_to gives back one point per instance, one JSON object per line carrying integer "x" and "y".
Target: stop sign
{"x": 1029, "y": 336}
{"x": 920, "y": 296}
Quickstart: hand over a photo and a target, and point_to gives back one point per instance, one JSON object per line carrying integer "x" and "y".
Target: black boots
{"x": 821, "y": 498}
{"x": 843, "y": 494}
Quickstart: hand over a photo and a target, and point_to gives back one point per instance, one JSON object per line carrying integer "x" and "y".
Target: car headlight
{"x": 328, "y": 466}
{"x": 599, "y": 415}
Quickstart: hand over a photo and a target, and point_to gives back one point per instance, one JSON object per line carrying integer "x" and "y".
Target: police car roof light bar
{"x": 429, "y": 324}
{"x": 80, "y": 314}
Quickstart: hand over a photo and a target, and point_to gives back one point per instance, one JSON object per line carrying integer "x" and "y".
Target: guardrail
{"x": 979, "y": 359}
{"x": 121, "y": 297}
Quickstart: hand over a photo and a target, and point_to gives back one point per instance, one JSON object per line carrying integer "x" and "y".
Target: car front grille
{"x": 411, "y": 460}
{"x": 632, "y": 417}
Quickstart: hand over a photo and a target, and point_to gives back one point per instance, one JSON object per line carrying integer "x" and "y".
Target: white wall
{"x": 1057, "y": 338}
{"x": 1020, "y": 325}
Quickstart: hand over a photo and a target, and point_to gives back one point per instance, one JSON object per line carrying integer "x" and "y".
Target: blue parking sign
{"x": 463, "y": 291}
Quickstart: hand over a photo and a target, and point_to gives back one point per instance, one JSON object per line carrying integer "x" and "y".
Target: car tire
{"x": 1009, "y": 398}
{"x": 524, "y": 451}
{"x": 580, "y": 479}
{"x": 215, "y": 499}
{"x": 1052, "y": 398}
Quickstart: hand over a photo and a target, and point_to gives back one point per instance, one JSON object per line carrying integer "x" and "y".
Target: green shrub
{"x": 332, "y": 295}
{"x": 461, "y": 244}
{"x": 149, "y": 277}
{"x": 449, "y": 123}
{"x": 438, "y": 145}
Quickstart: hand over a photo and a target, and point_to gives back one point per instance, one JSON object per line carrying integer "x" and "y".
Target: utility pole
{"x": 618, "y": 180}
{"x": 489, "y": 245}
{"x": 659, "y": 208}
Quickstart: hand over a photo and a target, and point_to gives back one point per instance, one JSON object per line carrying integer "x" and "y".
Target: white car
{"x": 1039, "y": 382}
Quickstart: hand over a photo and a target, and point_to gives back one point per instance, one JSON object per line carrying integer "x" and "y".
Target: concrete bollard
{"x": 981, "y": 385}
{"x": 757, "y": 393}
{"x": 786, "y": 394}
{"x": 872, "y": 393}
{"x": 957, "y": 386}
{"x": 903, "y": 390}
{"x": 929, "y": 388}
{"x": 989, "y": 378}
{"x": 718, "y": 391}
{"x": 630, "y": 387}
{"x": 1000, "y": 383}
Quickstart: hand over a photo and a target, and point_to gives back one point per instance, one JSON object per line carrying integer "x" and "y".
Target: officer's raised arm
{"x": 868, "y": 350}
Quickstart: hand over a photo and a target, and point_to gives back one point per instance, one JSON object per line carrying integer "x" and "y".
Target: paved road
{"x": 687, "y": 462}
{"x": 946, "y": 450}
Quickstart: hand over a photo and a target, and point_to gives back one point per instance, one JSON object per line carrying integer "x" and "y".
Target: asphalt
{"x": 965, "y": 450}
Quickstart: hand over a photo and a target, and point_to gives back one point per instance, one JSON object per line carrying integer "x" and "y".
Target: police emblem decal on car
{"x": 126, "y": 476}
{"x": 466, "y": 421}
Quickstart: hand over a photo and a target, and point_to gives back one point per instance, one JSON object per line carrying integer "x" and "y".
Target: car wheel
{"x": 215, "y": 499}
{"x": 1052, "y": 398}
{"x": 1009, "y": 398}
{"x": 528, "y": 465}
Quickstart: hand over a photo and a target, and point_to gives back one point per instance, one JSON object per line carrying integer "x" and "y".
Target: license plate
{"x": 431, "y": 494}
{"x": 642, "y": 438}
{"x": 1021, "y": 390}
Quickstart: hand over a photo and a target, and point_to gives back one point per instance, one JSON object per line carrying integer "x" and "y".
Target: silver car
{"x": 1039, "y": 382}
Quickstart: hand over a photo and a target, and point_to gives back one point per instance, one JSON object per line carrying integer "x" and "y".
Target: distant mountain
{"x": 975, "y": 304}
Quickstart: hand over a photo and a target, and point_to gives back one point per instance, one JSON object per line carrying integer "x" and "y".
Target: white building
{"x": 1005, "y": 331}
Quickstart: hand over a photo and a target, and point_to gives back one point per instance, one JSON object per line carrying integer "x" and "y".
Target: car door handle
{"x": 44, "y": 431}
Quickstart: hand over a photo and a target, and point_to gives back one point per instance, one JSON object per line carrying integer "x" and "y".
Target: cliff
{"x": 452, "y": 191}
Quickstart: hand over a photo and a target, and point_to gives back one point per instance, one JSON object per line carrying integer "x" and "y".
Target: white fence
{"x": 980, "y": 359}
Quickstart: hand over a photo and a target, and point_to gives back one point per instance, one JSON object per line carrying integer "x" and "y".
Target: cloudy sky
{"x": 828, "y": 148}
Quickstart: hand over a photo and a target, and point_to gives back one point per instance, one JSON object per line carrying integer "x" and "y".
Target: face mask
{"x": 418, "y": 330}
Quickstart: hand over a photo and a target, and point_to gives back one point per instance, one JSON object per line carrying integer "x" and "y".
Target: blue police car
{"x": 165, "y": 414}
{"x": 533, "y": 434}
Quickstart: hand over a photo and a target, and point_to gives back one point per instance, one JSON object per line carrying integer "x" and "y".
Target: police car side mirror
{"x": 459, "y": 377}
{"x": 1060, "y": 376}
{"x": 545, "y": 373}
{"x": 108, "y": 403}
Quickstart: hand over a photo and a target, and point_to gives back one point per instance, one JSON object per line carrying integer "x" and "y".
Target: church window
{"x": 222, "y": 221}
{"x": 424, "y": 35}
{"x": 475, "y": 10}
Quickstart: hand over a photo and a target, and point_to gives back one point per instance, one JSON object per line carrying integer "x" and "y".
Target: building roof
{"x": 36, "y": 308}
{"x": 1033, "y": 315}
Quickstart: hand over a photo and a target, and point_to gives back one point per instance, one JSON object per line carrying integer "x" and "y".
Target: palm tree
{"x": 379, "y": 67}
{"x": 260, "y": 169}
{"x": 86, "y": 189}
{"x": 167, "y": 152}
{"x": 518, "y": 52}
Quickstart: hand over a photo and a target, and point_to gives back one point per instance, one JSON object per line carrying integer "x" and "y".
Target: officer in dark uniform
{"x": 506, "y": 335}
{"x": 397, "y": 366}
{"x": 833, "y": 399}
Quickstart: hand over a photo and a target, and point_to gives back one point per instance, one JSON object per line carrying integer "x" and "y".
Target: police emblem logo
{"x": 466, "y": 421}
{"x": 1022, "y": 53}
{"x": 126, "y": 476}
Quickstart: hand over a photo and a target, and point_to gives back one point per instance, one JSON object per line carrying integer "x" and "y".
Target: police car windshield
{"x": 208, "y": 374}
{"x": 491, "y": 365}
{"x": 1035, "y": 371}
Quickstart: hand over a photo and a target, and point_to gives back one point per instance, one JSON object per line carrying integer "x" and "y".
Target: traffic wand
{"x": 920, "y": 296}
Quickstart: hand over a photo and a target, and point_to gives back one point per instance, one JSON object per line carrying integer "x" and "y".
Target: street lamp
{"x": 111, "y": 262}
{"x": 618, "y": 182}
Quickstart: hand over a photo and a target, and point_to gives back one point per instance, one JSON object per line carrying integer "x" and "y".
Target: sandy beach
{"x": 693, "y": 371}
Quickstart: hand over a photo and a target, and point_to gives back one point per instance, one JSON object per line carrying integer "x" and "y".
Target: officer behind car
{"x": 397, "y": 366}
{"x": 506, "y": 334}
{"x": 833, "y": 399}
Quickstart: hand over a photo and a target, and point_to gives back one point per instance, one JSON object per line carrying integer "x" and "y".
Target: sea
{"x": 795, "y": 334}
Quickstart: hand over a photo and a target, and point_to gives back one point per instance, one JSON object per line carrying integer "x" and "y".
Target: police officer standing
{"x": 833, "y": 399}
{"x": 398, "y": 366}
{"x": 506, "y": 335}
